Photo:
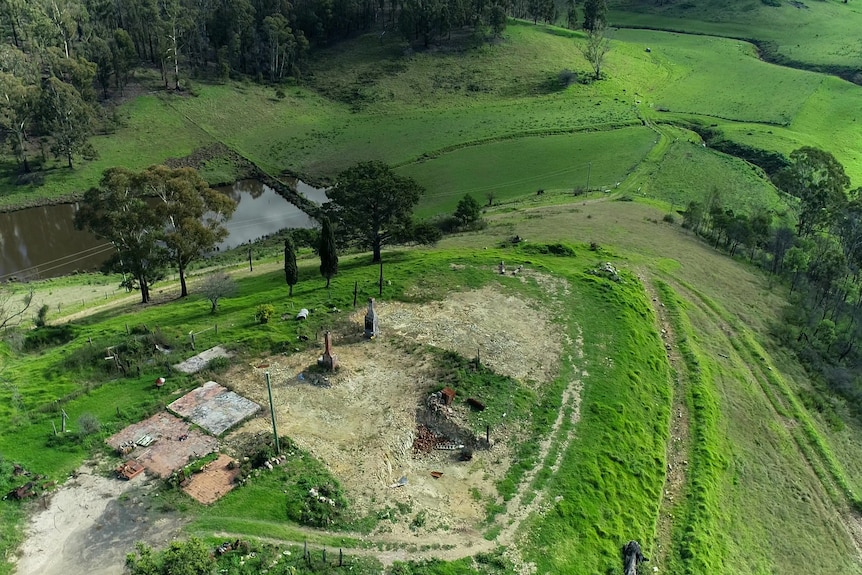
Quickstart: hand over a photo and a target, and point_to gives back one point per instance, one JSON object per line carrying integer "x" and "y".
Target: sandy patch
{"x": 362, "y": 422}
{"x": 87, "y": 527}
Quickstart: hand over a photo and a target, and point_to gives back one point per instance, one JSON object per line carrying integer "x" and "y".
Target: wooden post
{"x": 380, "y": 291}
{"x": 478, "y": 359}
{"x": 90, "y": 341}
{"x": 54, "y": 426}
{"x": 192, "y": 335}
{"x": 127, "y": 329}
{"x": 324, "y": 555}
{"x": 355, "y": 291}
{"x": 488, "y": 435}
{"x": 340, "y": 558}
{"x": 63, "y": 425}
{"x": 305, "y": 548}
{"x": 250, "y": 266}
{"x": 215, "y": 327}
{"x": 272, "y": 413}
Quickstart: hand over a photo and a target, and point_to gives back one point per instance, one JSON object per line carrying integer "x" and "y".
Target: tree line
{"x": 59, "y": 58}
{"x": 820, "y": 257}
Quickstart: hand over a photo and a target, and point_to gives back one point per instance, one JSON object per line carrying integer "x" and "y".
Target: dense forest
{"x": 60, "y": 58}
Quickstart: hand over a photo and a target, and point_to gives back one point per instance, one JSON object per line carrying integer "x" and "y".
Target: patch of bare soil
{"x": 87, "y": 527}
{"x": 361, "y": 422}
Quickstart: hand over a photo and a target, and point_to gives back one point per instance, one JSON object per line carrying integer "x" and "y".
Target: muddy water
{"x": 43, "y": 242}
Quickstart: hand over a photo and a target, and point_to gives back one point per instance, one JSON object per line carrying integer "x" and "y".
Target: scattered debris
{"x": 436, "y": 474}
{"x": 475, "y": 404}
{"x": 145, "y": 440}
{"x": 400, "y": 483}
{"x": 129, "y": 470}
{"x": 606, "y": 270}
{"x": 303, "y": 314}
{"x": 160, "y": 382}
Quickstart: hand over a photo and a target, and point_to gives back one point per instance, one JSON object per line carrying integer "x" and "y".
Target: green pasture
{"x": 690, "y": 172}
{"x": 815, "y": 33}
{"x": 521, "y": 166}
{"x": 366, "y": 99}
{"x": 719, "y": 77}
{"x": 609, "y": 485}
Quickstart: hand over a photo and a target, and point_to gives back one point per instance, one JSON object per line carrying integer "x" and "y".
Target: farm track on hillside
{"x": 679, "y": 439}
{"x": 792, "y": 416}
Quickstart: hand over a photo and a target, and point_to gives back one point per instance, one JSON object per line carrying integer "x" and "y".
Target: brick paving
{"x": 213, "y": 482}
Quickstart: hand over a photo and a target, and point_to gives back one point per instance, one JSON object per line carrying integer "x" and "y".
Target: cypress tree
{"x": 328, "y": 253}
{"x": 291, "y": 274}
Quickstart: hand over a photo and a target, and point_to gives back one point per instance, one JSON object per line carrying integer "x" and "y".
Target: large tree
{"x": 68, "y": 118}
{"x": 372, "y": 205}
{"x": 595, "y": 14}
{"x": 818, "y": 180}
{"x": 118, "y": 211}
{"x": 193, "y": 214}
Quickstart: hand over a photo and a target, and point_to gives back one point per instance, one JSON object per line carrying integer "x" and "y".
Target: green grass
{"x": 610, "y": 481}
{"x": 690, "y": 172}
{"x": 151, "y": 132}
{"x": 517, "y": 167}
{"x": 817, "y": 33}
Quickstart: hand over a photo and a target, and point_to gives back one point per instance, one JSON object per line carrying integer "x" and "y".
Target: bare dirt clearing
{"x": 362, "y": 424}
{"x": 87, "y": 527}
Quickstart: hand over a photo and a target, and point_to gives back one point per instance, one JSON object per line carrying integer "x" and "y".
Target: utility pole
{"x": 380, "y": 291}
{"x": 250, "y": 267}
{"x": 272, "y": 414}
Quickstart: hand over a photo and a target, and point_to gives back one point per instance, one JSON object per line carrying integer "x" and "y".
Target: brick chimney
{"x": 328, "y": 360}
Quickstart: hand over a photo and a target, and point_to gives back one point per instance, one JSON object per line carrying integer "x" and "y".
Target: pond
{"x": 42, "y": 242}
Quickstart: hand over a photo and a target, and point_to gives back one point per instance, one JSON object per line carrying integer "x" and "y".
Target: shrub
{"x": 48, "y": 335}
{"x": 88, "y": 424}
{"x": 567, "y": 77}
{"x": 264, "y": 312}
{"x": 669, "y": 218}
{"x": 41, "y": 318}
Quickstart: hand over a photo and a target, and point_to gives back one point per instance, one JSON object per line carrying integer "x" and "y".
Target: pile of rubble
{"x": 606, "y": 270}
{"x": 425, "y": 440}
{"x": 440, "y": 401}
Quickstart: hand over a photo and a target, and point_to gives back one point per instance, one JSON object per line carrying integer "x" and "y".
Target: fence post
{"x": 192, "y": 335}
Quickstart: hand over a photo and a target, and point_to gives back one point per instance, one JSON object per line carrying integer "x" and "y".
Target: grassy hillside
{"x": 371, "y": 100}
{"x": 811, "y": 32}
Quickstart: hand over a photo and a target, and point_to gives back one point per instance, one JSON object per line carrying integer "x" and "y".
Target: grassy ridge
{"x": 609, "y": 484}
{"x": 700, "y": 545}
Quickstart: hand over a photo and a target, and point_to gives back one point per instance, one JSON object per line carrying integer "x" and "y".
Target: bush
{"x": 41, "y": 318}
{"x": 669, "y": 218}
{"x": 264, "y": 312}
{"x": 88, "y": 424}
{"x": 47, "y": 336}
{"x": 567, "y": 77}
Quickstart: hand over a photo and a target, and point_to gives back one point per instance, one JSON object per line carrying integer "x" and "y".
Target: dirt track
{"x": 90, "y": 524}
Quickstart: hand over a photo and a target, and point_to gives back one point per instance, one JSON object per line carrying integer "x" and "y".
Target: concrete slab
{"x": 214, "y": 408}
{"x": 196, "y": 363}
{"x": 174, "y": 443}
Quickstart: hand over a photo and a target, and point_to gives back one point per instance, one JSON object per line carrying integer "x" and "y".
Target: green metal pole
{"x": 272, "y": 413}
